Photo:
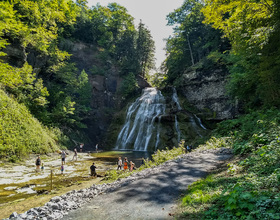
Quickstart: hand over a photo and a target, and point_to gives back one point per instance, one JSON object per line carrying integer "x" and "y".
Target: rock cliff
{"x": 206, "y": 90}
{"x": 105, "y": 80}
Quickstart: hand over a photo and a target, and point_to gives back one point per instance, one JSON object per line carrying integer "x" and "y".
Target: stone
{"x": 14, "y": 215}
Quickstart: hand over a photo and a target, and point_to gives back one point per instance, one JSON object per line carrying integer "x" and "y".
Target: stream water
{"x": 20, "y": 182}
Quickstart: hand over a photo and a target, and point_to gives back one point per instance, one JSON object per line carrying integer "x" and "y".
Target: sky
{"x": 153, "y": 14}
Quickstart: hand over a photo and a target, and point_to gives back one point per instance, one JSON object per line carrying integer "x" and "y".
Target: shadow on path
{"x": 152, "y": 197}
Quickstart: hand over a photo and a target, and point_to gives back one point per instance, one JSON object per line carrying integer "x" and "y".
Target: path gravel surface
{"x": 153, "y": 196}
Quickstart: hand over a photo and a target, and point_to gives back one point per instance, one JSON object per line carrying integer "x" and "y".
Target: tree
{"x": 145, "y": 47}
{"x": 252, "y": 27}
{"x": 193, "y": 40}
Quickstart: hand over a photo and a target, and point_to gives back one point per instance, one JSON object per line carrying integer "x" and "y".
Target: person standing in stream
{"x": 38, "y": 163}
{"x": 93, "y": 170}
{"x": 119, "y": 163}
{"x": 125, "y": 164}
{"x": 81, "y": 147}
{"x": 75, "y": 154}
{"x": 63, "y": 156}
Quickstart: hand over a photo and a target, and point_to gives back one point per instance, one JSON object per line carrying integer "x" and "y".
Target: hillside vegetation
{"x": 21, "y": 133}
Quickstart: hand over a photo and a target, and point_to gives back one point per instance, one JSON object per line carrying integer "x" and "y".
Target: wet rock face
{"x": 206, "y": 90}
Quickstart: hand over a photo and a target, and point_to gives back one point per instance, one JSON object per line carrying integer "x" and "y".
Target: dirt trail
{"x": 153, "y": 197}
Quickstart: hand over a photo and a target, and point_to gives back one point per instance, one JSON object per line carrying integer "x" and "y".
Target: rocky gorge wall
{"x": 206, "y": 90}
{"x": 203, "y": 89}
{"x": 105, "y": 80}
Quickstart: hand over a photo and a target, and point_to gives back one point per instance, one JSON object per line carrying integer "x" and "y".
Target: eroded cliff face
{"x": 206, "y": 90}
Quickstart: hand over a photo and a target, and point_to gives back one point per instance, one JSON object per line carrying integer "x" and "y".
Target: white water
{"x": 199, "y": 121}
{"x": 177, "y": 129}
{"x": 139, "y": 127}
{"x": 175, "y": 99}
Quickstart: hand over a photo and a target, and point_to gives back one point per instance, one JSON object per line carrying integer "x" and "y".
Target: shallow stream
{"x": 21, "y": 181}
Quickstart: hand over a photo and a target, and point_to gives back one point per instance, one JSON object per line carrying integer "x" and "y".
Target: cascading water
{"x": 175, "y": 99}
{"x": 139, "y": 130}
{"x": 199, "y": 121}
{"x": 177, "y": 129}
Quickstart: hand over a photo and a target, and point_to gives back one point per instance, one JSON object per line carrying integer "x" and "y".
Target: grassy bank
{"x": 249, "y": 186}
{"x": 22, "y": 134}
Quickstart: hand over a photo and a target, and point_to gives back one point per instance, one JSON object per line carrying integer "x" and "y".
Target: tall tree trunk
{"x": 190, "y": 49}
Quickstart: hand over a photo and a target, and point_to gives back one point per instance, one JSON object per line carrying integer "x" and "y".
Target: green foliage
{"x": 216, "y": 142}
{"x": 22, "y": 134}
{"x": 196, "y": 195}
{"x": 42, "y": 76}
{"x": 145, "y": 50}
{"x": 162, "y": 156}
{"x": 157, "y": 79}
{"x": 193, "y": 40}
{"x": 128, "y": 85}
{"x": 253, "y": 29}
{"x": 249, "y": 187}
{"x": 229, "y": 16}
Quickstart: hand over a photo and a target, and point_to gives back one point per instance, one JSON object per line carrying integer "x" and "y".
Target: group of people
{"x": 122, "y": 165}
{"x": 125, "y": 165}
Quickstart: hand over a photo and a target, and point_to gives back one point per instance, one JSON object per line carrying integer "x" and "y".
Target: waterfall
{"x": 138, "y": 130}
{"x": 177, "y": 129}
{"x": 195, "y": 126}
{"x": 199, "y": 121}
{"x": 158, "y": 133}
{"x": 175, "y": 99}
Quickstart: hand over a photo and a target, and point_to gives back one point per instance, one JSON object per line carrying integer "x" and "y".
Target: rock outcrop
{"x": 105, "y": 80}
{"x": 206, "y": 90}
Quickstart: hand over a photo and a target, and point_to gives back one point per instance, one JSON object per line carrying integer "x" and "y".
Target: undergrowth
{"x": 249, "y": 188}
{"x": 158, "y": 158}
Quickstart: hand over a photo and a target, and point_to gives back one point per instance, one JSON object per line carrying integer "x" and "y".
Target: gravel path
{"x": 152, "y": 197}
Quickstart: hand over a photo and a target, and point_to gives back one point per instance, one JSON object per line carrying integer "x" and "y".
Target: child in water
{"x": 42, "y": 167}
{"x": 93, "y": 170}
{"x": 131, "y": 166}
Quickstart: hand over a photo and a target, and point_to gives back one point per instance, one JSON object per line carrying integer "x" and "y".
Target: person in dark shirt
{"x": 93, "y": 170}
{"x": 38, "y": 163}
